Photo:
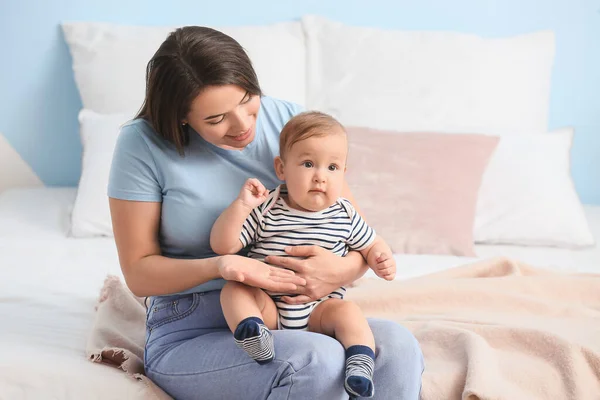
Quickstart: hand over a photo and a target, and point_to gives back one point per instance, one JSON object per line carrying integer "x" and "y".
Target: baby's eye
{"x": 333, "y": 167}
{"x": 308, "y": 164}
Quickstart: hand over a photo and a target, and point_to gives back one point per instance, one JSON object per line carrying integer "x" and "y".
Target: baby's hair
{"x": 306, "y": 125}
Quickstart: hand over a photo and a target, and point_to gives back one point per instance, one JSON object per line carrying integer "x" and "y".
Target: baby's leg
{"x": 250, "y": 313}
{"x": 344, "y": 321}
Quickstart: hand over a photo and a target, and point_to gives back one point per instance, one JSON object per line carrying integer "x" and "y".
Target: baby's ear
{"x": 278, "y": 162}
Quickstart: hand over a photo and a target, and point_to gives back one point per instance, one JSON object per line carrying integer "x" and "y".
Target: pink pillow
{"x": 419, "y": 190}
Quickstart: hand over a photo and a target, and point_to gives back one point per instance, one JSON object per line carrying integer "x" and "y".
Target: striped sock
{"x": 252, "y": 336}
{"x": 360, "y": 363}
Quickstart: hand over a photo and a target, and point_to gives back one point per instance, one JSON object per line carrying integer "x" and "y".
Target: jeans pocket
{"x": 167, "y": 309}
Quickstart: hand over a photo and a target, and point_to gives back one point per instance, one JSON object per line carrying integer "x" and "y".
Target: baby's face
{"x": 314, "y": 170}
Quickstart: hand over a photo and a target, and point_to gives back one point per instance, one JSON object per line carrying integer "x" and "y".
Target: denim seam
{"x": 161, "y": 307}
{"x": 292, "y": 376}
{"x": 180, "y": 316}
{"x": 217, "y": 370}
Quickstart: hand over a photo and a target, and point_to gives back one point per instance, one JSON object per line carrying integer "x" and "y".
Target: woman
{"x": 204, "y": 128}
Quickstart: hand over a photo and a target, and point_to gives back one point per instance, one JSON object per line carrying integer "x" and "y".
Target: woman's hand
{"x": 321, "y": 269}
{"x": 258, "y": 274}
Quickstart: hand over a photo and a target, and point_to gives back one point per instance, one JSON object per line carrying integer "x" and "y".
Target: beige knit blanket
{"x": 495, "y": 329}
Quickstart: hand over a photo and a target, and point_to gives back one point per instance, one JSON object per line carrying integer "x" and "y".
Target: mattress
{"x": 50, "y": 283}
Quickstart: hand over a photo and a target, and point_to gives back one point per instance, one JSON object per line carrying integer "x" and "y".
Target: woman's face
{"x": 224, "y": 116}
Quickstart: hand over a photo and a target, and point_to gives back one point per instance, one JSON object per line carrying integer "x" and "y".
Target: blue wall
{"x": 39, "y": 101}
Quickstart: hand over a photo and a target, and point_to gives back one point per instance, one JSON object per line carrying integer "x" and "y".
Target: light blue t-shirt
{"x": 196, "y": 188}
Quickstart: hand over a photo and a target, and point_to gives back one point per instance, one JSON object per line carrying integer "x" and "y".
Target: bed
{"x": 55, "y": 244}
{"x": 48, "y": 292}
{"x": 51, "y": 284}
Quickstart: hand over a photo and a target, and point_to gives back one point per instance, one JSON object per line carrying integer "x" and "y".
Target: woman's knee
{"x": 395, "y": 337}
{"x": 316, "y": 365}
{"x": 304, "y": 350}
{"x": 399, "y": 357}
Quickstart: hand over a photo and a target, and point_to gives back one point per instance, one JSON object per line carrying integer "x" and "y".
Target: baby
{"x": 307, "y": 210}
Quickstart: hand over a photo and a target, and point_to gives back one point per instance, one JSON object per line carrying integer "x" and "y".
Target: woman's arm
{"x": 148, "y": 273}
{"x": 347, "y": 194}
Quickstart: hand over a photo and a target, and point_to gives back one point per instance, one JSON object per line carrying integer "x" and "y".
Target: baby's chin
{"x": 316, "y": 206}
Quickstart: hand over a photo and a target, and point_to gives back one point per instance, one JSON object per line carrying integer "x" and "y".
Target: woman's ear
{"x": 279, "y": 168}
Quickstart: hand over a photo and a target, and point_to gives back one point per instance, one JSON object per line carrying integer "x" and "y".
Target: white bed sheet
{"x": 48, "y": 291}
{"x": 50, "y": 284}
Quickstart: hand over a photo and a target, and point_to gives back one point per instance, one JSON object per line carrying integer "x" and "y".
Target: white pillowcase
{"x": 91, "y": 213}
{"x": 527, "y": 196}
{"x": 110, "y": 61}
{"x": 429, "y": 81}
{"x": 381, "y": 79}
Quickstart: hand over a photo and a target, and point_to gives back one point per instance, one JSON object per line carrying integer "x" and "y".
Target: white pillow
{"x": 91, "y": 213}
{"x": 429, "y": 81}
{"x": 109, "y": 61}
{"x": 527, "y": 196}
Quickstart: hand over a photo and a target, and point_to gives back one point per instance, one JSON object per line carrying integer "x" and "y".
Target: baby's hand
{"x": 385, "y": 266}
{"x": 253, "y": 193}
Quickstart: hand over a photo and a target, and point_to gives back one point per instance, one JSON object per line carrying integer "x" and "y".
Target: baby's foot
{"x": 252, "y": 336}
{"x": 360, "y": 363}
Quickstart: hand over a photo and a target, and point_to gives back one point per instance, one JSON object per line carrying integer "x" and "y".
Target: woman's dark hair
{"x": 189, "y": 60}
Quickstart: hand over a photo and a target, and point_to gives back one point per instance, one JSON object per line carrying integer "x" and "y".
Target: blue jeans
{"x": 190, "y": 353}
